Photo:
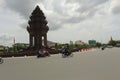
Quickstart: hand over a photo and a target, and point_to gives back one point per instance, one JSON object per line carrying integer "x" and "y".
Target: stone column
{"x": 30, "y": 40}
{"x": 45, "y": 40}
{"x": 39, "y": 42}
{"x": 35, "y": 40}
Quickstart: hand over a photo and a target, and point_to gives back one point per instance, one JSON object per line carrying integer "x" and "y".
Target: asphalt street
{"x": 89, "y": 65}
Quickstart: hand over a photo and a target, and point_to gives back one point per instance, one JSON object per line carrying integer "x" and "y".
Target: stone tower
{"x": 37, "y": 29}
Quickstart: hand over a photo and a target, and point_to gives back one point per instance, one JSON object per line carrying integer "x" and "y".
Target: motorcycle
{"x": 1, "y": 60}
{"x": 102, "y": 48}
{"x": 43, "y": 53}
{"x": 67, "y": 53}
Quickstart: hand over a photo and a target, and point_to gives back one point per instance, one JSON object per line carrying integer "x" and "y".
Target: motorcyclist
{"x": 43, "y": 52}
{"x": 1, "y": 60}
{"x": 66, "y": 51}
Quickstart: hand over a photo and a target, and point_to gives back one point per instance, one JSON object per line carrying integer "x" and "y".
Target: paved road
{"x": 90, "y": 65}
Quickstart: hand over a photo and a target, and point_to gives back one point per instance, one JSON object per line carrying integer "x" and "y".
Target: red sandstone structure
{"x": 37, "y": 29}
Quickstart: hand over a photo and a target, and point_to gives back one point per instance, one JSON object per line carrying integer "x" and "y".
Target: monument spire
{"x": 37, "y": 29}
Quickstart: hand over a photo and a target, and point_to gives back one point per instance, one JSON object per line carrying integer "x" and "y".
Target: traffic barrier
{"x": 83, "y": 50}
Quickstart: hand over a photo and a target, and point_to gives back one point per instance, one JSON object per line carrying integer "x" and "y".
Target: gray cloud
{"x": 61, "y": 8}
{"x": 22, "y": 7}
{"x": 114, "y": 6}
{"x": 116, "y": 10}
{"x": 89, "y": 2}
{"x": 87, "y": 5}
{"x": 86, "y": 10}
{"x": 55, "y": 26}
{"x": 73, "y": 20}
{"x": 70, "y": 16}
{"x": 5, "y": 39}
{"x": 90, "y": 6}
{"x": 23, "y": 25}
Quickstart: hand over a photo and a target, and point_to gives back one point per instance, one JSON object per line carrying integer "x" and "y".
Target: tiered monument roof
{"x": 37, "y": 22}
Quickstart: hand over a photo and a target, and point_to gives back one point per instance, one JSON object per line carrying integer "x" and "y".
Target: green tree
{"x": 112, "y": 42}
{"x": 98, "y": 44}
{"x": 19, "y": 46}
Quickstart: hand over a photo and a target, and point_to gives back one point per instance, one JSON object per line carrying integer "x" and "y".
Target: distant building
{"x": 71, "y": 42}
{"x": 111, "y": 39}
{"x": 79, "y": 42}
{"x": 1, "y": 49}
{"x": 21, "y": 44}
{"x": 92, "y": 42}
{"x": 51, "y": 44}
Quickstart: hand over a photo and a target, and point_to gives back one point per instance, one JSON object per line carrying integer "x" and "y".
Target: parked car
{"x": 117, "y": 45}
{"x": 109, "y": 46}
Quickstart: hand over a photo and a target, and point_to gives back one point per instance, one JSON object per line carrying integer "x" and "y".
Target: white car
{"x": 109, "y": 46}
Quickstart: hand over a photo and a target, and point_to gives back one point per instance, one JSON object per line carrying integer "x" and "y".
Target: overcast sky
{"x": 68, "y": 20}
